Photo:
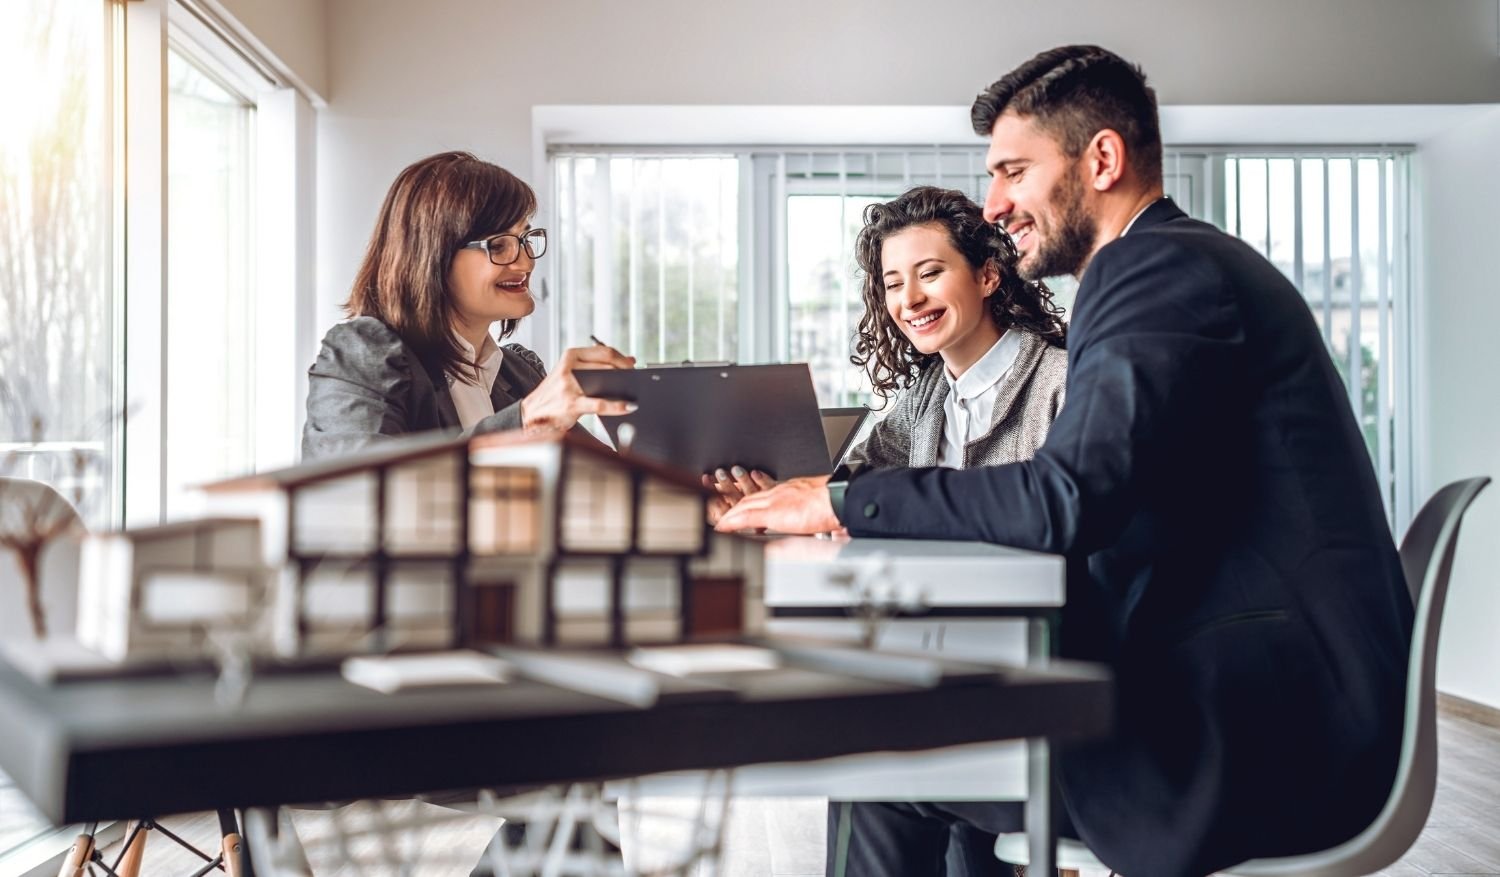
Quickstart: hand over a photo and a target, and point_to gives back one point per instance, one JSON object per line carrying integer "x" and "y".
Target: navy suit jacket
{"x": 1228, "y": 556}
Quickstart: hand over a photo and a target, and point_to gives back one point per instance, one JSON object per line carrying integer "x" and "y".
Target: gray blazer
{"x": 367, "y": 385}
{"x": 1031, "y": 394}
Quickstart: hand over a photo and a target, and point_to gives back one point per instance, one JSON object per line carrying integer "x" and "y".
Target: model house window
{"x": 597, "y": 506}
{"x": 798, "y": 293}
{"x": 504, "y": 509}
{"x": 671, "y": 518}
{"x": 652, "y": 600}
{"x": 422, "y": 506}
{"x": 335, "y": 517}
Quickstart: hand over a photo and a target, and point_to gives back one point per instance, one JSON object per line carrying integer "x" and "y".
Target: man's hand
{"x": 800, "y": 505}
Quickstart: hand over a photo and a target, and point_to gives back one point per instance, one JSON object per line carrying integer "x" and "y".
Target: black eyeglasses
{"x": 504, "y": 249}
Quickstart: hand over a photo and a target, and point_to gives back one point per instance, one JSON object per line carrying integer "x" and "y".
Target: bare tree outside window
{"x": 56, "y": 380}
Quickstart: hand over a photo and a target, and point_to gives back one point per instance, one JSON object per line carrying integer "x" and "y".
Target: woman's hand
{"x": 731, "y": 486}
{"x": 558, "y": 401}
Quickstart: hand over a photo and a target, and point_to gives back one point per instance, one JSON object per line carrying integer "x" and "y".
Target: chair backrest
{"x": 1427, "y": 560}
{"x": 57, "y": 568}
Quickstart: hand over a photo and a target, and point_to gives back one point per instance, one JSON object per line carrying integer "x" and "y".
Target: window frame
{"x": 280, "y": 225}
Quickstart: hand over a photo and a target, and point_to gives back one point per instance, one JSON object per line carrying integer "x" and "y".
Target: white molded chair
{"x": 57, "y": 568}
{"x": 1427, "y": 560}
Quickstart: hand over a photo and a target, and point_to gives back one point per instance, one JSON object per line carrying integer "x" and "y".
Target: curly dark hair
{"x": 880, "y": 347}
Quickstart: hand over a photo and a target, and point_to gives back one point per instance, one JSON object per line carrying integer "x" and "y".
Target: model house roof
{"x": 387, "y": 453}
{"x": 182, "y": 528}
{"x": 406, "y": 449}
{"x": 589, "y": 445}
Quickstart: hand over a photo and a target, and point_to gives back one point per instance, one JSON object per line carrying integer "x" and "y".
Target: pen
{"x": 595, "y": 339}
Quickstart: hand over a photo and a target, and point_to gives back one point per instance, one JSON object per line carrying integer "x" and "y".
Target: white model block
{"x": 336, "y": 516}
{"x": 159, "y": 590}
{"x": 422, "y": 507}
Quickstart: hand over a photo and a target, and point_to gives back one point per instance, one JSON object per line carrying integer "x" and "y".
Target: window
{"x": 1336, "y": 223}
{"x": 826, "y": 194}
{"x": 210, "y": 308}
{"x": 648, "y": 260}
{"x": 58, "y": 415}
{"x": 780, "y": 238}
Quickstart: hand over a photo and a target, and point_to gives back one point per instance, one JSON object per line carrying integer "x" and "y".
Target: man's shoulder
{"x": 1177, "y": 243}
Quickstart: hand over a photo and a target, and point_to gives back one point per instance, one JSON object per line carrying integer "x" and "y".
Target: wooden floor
{"x": 784, "y": 837}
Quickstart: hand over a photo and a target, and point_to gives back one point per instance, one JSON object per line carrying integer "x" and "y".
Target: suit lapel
{"x": 446, "y": 412}
{"x": 503, "y": 393}
{"x": 927, "y": 432}
{"x": 1027, "y": 357}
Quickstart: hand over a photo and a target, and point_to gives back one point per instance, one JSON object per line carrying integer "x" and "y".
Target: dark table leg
{"x": 1041, "y": 833}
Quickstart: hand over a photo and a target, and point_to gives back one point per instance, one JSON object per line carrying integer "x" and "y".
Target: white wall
{"x": 1458, "y": 403}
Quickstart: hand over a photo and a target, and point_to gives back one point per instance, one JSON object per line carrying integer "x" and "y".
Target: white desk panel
{"x": 800, "y": 572}
{"x": 976, "y": 772}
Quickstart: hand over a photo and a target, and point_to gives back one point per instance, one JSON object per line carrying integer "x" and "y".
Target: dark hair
{"x": 1074, "y": 92}
{"x": 880, "y": 347}
{"x": 434, "y": 207}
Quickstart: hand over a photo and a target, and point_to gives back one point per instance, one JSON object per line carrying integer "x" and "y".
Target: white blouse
{"x": 970, "y": 402}
{"x": 473, "y": 400}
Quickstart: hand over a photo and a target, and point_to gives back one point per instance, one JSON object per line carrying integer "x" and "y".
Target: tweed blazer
{"x": 1031, "y": 394}
{"x": 367, "y": 384}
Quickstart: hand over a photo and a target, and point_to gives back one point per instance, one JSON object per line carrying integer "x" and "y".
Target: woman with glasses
{"x": 451, "y": 255}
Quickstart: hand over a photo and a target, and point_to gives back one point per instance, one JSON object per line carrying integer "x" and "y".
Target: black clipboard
{"x": 698, "y": 418}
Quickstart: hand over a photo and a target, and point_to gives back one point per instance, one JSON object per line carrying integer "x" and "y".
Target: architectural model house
{"x": 157, "y": 591}
{"x": 497, "y": 539}
{"x": 622, "y": 552}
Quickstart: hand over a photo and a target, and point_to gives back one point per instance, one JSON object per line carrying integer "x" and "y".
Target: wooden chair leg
{"x": 130, "y": 860}
{"x": 79, "y": 856}
{"x": 231, "y": 846}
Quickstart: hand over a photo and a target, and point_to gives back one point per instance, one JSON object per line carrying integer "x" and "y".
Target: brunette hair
{"x": 1073, "y": 93}
{"x": 434, "y": 207}
{"x": 880, "y": 347}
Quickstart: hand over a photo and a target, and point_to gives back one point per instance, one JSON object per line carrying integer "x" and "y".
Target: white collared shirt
{"x": 473, "y": 400}
{"x": 970, "y": 403}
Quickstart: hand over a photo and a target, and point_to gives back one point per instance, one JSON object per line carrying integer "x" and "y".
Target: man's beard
{"x": 1067, "y": 249}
